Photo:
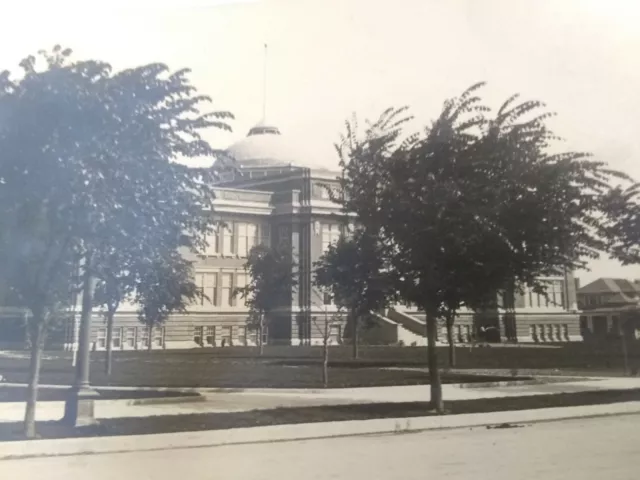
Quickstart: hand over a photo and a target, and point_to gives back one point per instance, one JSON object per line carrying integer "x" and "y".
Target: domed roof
{"x": 264, "y": 145}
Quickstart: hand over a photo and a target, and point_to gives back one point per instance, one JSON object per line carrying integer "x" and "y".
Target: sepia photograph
{"x": 320, "y": 239}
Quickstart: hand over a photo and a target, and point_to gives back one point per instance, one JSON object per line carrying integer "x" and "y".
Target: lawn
{"x": 300, "y": 367}
{"x": 19, "y": 394}
{"x": 283, "y": 416}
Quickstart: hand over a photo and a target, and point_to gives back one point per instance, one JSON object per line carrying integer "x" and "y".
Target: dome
{"x": 264, "y": 145}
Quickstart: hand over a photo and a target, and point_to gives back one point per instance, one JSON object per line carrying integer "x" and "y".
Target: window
{"x": 227, "y": 291}
{"x": 211, "y": 336}
{"x": 228, "y": 239}
{"x": 330, "y": 235}
{"x": 144, "y": 336}
{"x": 197, "y": 335}
{"x": 242, "y": 239}
{"x": 252, "y": 236}
{"x": 227, "y": 334}
{"x": 242, "y": 335}
{"x": 130, "y": 337}
{"x": 247, "y": 238}
{"x": 555, "y": 294}
{"x": 242, "y": 279}
{"x": 265, "y": 235}
{"x": 207, "y": 283}
{"x": 116, "y": 340}
{"x": 101, "y": 339}
{"x": 158, "y": 337}
{"x": 213, "y": 243}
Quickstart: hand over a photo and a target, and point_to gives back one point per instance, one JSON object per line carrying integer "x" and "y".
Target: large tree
{"x": 88, "y": 164}
{"x": 271, "y": 280}
{"x": 356, "y": 273}
{"x": 473, "y": 205}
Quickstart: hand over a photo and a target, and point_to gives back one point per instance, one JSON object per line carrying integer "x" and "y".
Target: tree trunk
{"x": 34, "y": 375}
{"x": 356, "y": 339}
{"x": 452, "y": 344}
{"x": 625, "y": 353}
{"x": 436, "y": 402}
{"x": 325, "y": 354}
{"x": 150, "y": 343}
{"x": 261, "y": 335}
{"x": 109, "y": 352}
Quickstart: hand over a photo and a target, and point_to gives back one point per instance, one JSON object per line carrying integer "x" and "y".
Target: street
{"x": 576, "y": 449}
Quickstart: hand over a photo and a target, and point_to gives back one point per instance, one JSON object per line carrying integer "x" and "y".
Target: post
{"x": 79, "y": 407}
{"x": 623, "y": 339}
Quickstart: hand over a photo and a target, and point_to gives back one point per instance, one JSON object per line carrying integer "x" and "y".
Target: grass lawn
{"x": 281, "y": 416}
{"x": 300, "y": 367}
{"x": 19, "y": 394}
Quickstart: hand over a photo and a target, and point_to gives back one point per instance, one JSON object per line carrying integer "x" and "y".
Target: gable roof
{"x": 620, "y": 286}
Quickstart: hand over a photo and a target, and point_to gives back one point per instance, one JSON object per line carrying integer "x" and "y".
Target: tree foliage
{"x": 474, "y": 204}
{"x": 622, "y": 223}
{"x": 271, "y": 280}
{"x": 88, "y": 167}
{"x": 165, "y": 287}
{"x": 355, "y": 271}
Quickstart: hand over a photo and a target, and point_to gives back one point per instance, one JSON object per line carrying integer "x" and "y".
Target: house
{"x": 606, "y": 304}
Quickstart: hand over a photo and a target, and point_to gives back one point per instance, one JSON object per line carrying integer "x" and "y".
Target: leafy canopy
{"x": 356, "y": 273}
{"x": 271, "y": 279}
{"x": 88, "y": 164}
{"x": 474, "y": 202}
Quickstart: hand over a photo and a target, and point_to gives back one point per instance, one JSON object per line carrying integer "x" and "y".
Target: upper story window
{"x": 554, "y": 296}
{"x": 207, "y": 284}
{"x": 247, "y": 238}
{"x": 228, "y": 239}
{"x": 330, "y": 234}
{"x": 213, "y": 243}
{"x": 265, "y": 234}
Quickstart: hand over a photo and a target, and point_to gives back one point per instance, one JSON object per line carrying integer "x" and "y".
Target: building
{"x": 268, "y": 195}
{"x": 606, "y": 305}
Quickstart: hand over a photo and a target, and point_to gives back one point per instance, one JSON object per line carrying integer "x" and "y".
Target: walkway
{"x": 237, "y": 401}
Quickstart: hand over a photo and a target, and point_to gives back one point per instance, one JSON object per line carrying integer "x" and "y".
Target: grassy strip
{"x": 284, "y": 416}
{"x": 19, "y": 394}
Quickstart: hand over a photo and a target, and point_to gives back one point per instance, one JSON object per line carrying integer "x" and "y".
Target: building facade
{"x": 267, "y": 195}
{"x": 610, "y": 307}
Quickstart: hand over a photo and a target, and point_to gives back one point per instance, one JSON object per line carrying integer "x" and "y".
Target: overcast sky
{"x": 329, "y": 58}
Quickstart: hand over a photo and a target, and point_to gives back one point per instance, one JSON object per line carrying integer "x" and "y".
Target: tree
{"x": 326, "y": 328}
{"x": 115, "y": 285}
{"x": 472, "y": 205}
{"x": 88, "y": 164}
{"x": 621, "y": 228}
{"x": 166, "y": 286}
{"x": 272, "y": 278}
{"x": 356, "y": 273}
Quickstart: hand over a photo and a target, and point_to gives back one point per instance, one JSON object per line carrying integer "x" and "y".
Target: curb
{"x": 309, "y": 431}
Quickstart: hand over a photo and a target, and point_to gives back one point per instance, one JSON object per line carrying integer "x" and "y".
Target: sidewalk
{"x": 240, "y": 436}
{"x": 217, "y": 401}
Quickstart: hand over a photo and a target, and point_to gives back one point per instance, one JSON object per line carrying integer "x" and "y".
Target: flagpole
{"x": 264, "y": 85}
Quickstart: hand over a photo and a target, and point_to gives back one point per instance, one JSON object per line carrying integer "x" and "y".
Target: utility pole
{"x": 79, "y": 407}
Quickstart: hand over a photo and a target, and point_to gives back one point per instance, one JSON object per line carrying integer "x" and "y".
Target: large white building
{"x": 271, "y": 195}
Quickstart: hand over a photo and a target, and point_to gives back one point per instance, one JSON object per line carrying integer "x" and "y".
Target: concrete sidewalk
{"x": 279, "y": 433}
{"x": 217, "y": 401}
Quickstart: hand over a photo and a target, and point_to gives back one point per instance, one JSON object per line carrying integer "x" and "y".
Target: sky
{"x": 328, "y": 59}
